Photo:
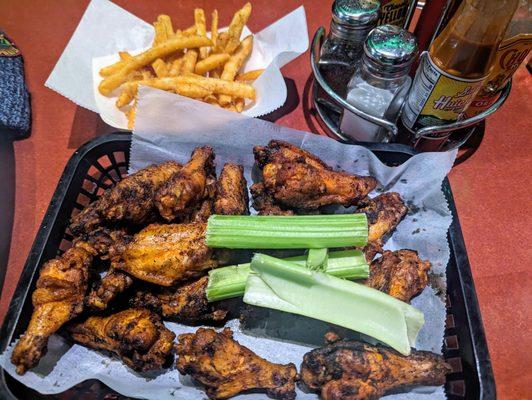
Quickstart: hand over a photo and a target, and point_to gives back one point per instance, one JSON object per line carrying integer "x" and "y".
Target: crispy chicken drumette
{"x": 297, "y": 179}
{"x": 352, "y": 370}
{"x": 227, "y": 368}
{"x": 137, "y": 336}
{"x": 401, "y": 274}
{"x": 57, "y": 299}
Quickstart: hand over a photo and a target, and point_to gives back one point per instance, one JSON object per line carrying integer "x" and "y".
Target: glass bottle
{"x": 459, "y": 59}
{"x": 380, "y": 82}
{"x": 397, "y": 12}
{"x": 513, "y": 50}
{"x": 351, "y": 22}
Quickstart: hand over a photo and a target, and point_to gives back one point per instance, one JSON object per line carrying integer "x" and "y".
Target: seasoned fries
{"x": 187, "y": 62}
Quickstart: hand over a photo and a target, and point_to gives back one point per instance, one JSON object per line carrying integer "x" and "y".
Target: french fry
{"x": 211, "y": 62}
{"x": 235, "y": 28}
{"x": 211, "y": 99}
{"x": 239, "y": 104}
{"x": 166, "y": 23}
{"x": 112, "y": 69}
{"x": 215, "y": 73}
{"x": 190, "y": 31}
{"x": 232, "y": 66}
{"x": 177, "y": 65}
{"x": 125, "y": 56}
{"x": 201, "y": 30}
{"x": 160, "y": 33}
{"x": 130, "y": 115}
{"x": 221, "y": 41}
{"x": 214, "y": 27}
{"x": 124, "y": 99}
{"x": 113, "y": 81}
{"x": 249, "y": 76}
{"x": 196, "y": 86}
{"x": 159, "y": 66}
{"x": 189, "y": 61}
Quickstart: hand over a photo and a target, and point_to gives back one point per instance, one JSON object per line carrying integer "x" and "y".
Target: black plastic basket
{"x": 102, "y": 162}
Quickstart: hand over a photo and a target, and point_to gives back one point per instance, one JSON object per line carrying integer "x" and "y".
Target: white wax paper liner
{"x": 106, "y": 29}
{"x": 169, "y": 127}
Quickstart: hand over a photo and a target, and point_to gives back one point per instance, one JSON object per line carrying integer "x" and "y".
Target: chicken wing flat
{"x": 186, "y": 303}
{"x": 181, "y": 194}
{"x": 298, "y": 179}
{"x": 167, "y": 254}
{"x": 227, "y": 368}
{"x": 107, "y": 289}
{"x": 401, "y": 274}
{"x": 131, "y": 200}
{"x": 137, "y": 336}
{"x": 264, "y": 203}
{"x": 351, "y": 370}
{"x": 232, "y": 194}
{"x": 57, "y": 299}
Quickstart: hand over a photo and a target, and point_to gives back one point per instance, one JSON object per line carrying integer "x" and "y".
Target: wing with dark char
{"x": 167, "y": 254}
{"x": 137, "y": 336}
{"x": 232, "y": 194}
{"x": 186, "y": 190}
{"x": 264, "y": 203}
{"x": 185, "y": 303}
{"x": 297, "y": 179}
{"x": 352, "y": 370}
{"x": 130, "y": 201}
{"x": 227, "y": 368}
{"x": 107, "y": 289}
{"x": 401, "y": 274}
{"x": 57, "y": 299}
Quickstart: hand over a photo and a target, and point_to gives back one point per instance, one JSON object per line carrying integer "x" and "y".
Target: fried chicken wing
{"x": 107, "y": 289}
{"x": 181, "y": 194}
{"x": 131, "y": 200}
{"x": 351, "y": 370}
{"x": 232, "y": 194}
{"x": 57, "y": 299}
{"x": 137, "y": 336}
{"x": 167, "y": 254}
{"x": 186, "y": 303}
{"x": 298, "y": 179}
{"x": 264, "y": 203}
{"x": 401, "y": 274}
{"x": 227, "y": 368}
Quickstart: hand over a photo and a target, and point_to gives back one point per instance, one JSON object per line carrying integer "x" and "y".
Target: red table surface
{"x": 492, "y": 189}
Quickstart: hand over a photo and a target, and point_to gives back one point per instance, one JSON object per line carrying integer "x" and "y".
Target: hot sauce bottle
{"x": 459, "y": 60}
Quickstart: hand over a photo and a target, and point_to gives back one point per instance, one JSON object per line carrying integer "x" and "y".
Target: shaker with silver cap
{"x": 351, "y": 22}
{"x": 380, "y": 82}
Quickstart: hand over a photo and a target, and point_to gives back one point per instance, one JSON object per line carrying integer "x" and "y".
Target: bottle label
{"x": 511, "y": 53}
{"x": 437, "y": 98}
{"x": 393, "y": 12}
{"x": 7, "y": 48}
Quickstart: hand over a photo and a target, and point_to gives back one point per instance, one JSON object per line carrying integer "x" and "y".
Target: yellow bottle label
{"x": 511, "y": 53}
{"x": 437, "y": 98}
{"x": 393, "y": 12}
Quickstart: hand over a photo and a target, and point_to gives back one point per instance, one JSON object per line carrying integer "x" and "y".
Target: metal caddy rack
{"x": 330, "y": 110}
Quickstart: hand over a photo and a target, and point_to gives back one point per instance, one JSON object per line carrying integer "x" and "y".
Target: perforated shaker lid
{"x": 391, "y": 46}
{"x": 356, "y": 13}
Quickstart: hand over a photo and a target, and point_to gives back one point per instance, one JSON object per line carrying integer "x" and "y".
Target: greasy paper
{"x": 105, "y": 29}
{"x": 169, "y": 127}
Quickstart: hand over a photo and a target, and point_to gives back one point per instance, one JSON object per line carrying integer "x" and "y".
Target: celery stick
{"x": 317, "y": 259}
{"x": 230, "y": 281}
{"x": 287, "y": 232}
{"x": 284, "y": 286}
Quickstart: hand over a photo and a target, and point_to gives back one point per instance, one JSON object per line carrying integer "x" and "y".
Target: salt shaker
{"x": 351, "y": 22}
{"x": 380, "y": 83}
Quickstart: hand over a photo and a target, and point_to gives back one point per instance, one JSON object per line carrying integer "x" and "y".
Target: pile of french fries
{"x": 189, "y": 63}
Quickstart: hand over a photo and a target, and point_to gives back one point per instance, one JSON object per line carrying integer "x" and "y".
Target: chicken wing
{"x": 57, "y": 299}
{"x": 137, "y": 336}
{"x": 167, "y": 254}
{"x": 131, "y": 200}
{"x": 232, "y": 194}
{"x": 181, "y": 194}
{"x": 186, "y": 303}
{"x": 401, "y": 274}
{"x": 227, "y": 368}
{"x": 298, "y": 179}
{"x": 107, "y": 289}
{"x": 351, "y": 370}
{"x": 264, "y": 202}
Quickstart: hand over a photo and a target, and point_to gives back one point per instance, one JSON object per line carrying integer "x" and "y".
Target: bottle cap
{"x": 356, "y": 13}
{"x": 391, "y": 47}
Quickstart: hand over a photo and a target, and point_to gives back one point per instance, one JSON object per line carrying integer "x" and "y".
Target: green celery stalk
{"x": 317, "y": 259}
{"x": 282, "y": 285}
{"x": 228, "y": 282}
{"x": 287, "y": 232}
